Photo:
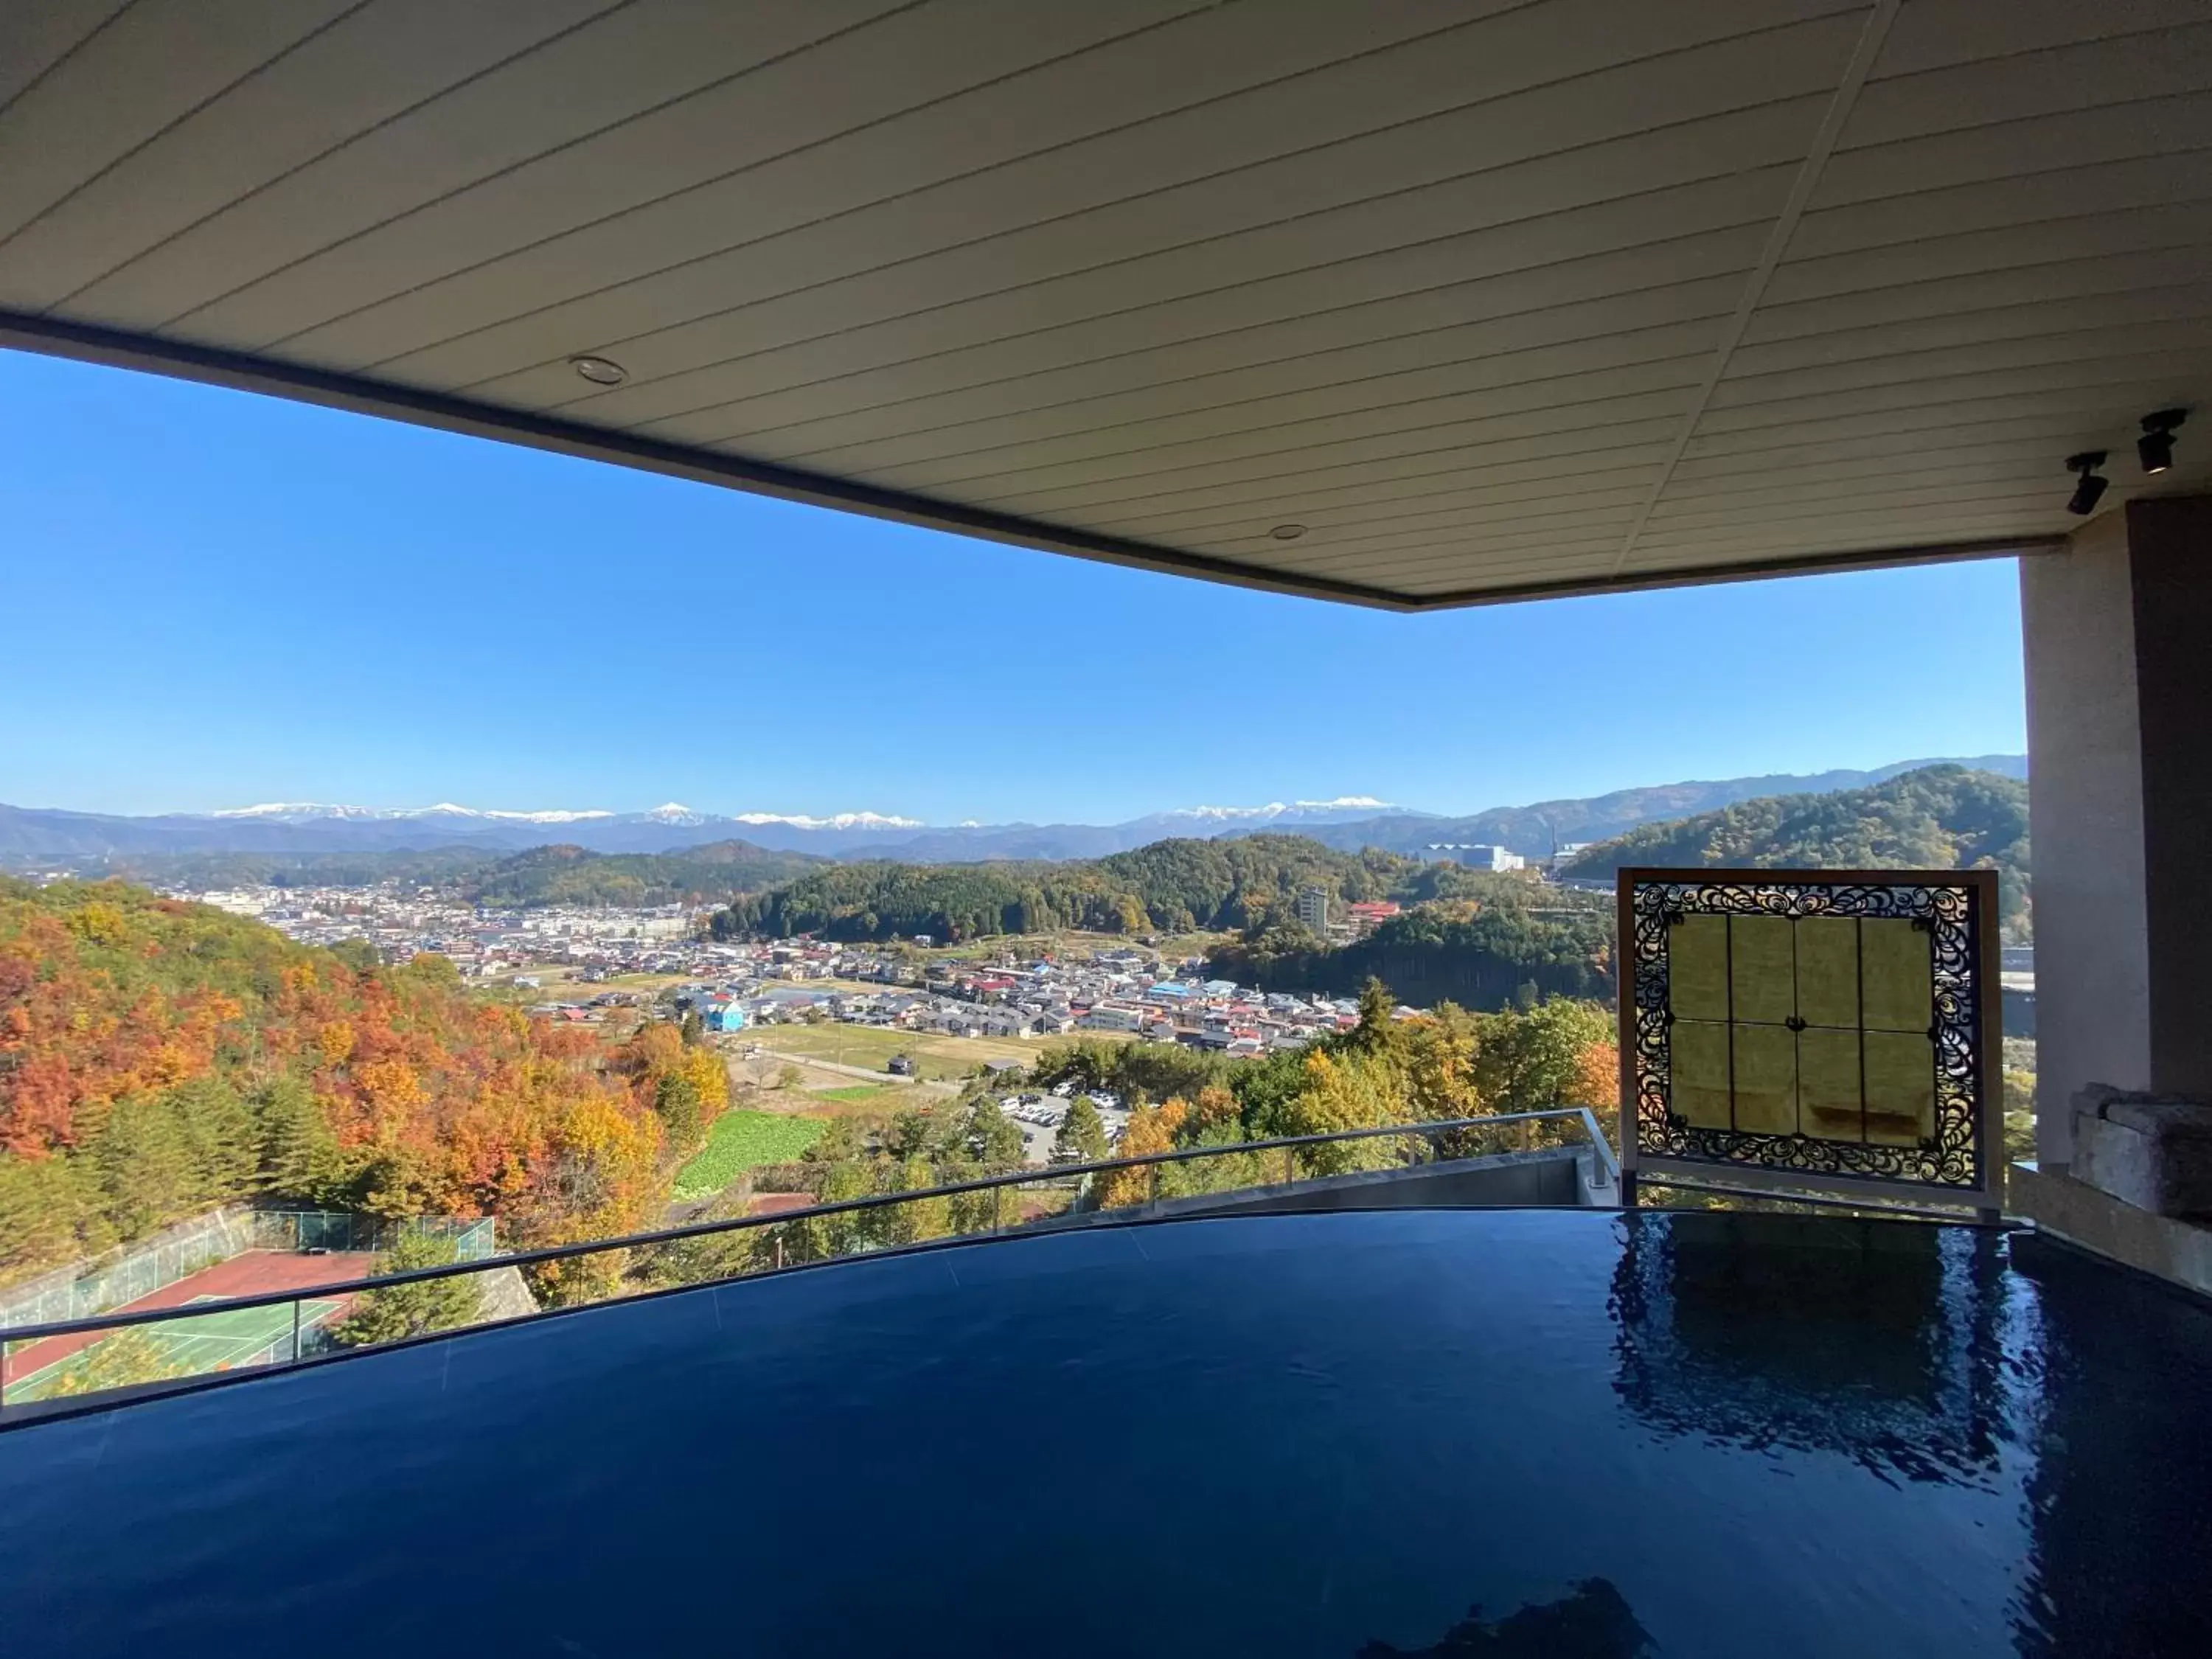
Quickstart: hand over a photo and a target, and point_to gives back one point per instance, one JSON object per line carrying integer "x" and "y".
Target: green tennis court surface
{"x": 191, "y": 1344}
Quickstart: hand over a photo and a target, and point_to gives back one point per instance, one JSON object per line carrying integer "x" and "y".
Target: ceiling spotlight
{"x": 2156, "y": 447}
{"x": 2091, "y": 490}
{"x": 1287, "y": 533}
{"x": 599, "y": 371}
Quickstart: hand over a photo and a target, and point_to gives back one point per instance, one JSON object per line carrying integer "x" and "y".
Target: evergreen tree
{"x": 1377, "y": 1004}
{"x": 1082, "y": 1137}
{"x": 219, "y": 1129}
{"x": 299, "y": 1155}
{"x": 142, "y": 1160}
{"x": 676, "y": 1099}
{"x": 46, "y": 1211}
{"x": 399, "y": 1311}
{"x": 989, "y": 1137}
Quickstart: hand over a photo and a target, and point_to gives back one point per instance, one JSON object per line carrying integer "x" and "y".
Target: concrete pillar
{"x": 2118, "y": 638}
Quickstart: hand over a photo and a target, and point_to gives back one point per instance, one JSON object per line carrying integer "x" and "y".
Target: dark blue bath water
{"x": 1477, "y": 1432}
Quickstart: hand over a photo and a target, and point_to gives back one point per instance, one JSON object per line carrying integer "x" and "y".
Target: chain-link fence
{"x": 176, "y": 1252}
{"x": 340, "y": 1230}
{"x": 180, "y": 1251}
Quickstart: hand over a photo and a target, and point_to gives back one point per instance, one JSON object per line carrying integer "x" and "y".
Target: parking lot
{"x": 1038, "y": 1116}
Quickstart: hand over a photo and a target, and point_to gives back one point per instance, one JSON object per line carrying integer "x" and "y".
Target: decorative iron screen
{"x": 1838, "y": 1027}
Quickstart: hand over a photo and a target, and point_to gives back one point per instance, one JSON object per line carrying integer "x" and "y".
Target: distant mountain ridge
{"x": 1536, "y": 831}
{"x": 1935, "y": 817}
{"x": 31, "y": 835}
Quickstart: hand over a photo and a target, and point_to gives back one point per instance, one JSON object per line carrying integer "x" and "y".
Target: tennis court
{"x": 193, "y": 1344}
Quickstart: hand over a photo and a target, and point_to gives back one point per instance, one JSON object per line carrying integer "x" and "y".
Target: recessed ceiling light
{"x": 599, "y": 371}
{"x": 1287, "y": 533}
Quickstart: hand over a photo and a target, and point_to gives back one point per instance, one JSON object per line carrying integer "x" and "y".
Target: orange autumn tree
{"x": 1150, "y": 1129}
{"x": 685, "y": 1083}
{"x": 157, "y": 1057}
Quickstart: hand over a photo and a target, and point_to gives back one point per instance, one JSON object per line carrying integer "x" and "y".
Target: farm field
{"x": 940, "y": 1057}
{"x": 563, "y": 983}
{"x": 741, "y": 1140}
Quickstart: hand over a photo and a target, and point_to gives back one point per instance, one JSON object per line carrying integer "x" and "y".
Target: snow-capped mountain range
{"x": 307, "y": 811}
{"x": 1303, "y": 812}
{"x": 672, "y": 813}
{"x": 31, "y": 835}
{"x": 327, "y": 826}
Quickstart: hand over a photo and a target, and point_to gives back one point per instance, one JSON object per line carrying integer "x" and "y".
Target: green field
{"x": 191, "y": 1344}
{"x": 741, "y": 1140}
{"x": 855, "y": 1095}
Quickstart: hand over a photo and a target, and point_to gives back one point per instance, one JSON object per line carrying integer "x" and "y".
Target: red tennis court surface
{"x": 779, "y": 1203}
{"x": 254, "y": 1273}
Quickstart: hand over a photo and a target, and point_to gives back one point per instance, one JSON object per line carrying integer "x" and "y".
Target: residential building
{"x": 1475, "y": 855}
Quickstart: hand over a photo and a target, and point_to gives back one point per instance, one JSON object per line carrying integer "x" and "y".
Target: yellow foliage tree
{"x": 1152, "y": 1129}
{"x": 1347, "y": 1091}
{"x": 1440, "y": 1071}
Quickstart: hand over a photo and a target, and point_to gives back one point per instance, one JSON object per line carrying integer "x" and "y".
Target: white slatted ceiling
{"x": 1445, "y": 281}
{"x": 35, "y": 38}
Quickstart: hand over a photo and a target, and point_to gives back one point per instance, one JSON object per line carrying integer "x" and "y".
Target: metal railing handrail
{"x": 28, "y": 1334}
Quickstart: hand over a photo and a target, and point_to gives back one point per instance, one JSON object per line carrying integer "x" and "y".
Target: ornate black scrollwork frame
{"x": 1956, "y": 908}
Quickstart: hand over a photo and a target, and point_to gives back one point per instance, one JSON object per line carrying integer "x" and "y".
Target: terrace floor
{"x": 1334, "y": 1435}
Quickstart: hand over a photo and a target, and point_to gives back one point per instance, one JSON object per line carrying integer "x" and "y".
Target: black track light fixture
{"x": 2091, "y": 490}
{"x": 2156, "y": 447}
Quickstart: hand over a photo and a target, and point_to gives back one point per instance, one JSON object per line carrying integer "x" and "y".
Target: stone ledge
{"x": 2179, "y": 1252}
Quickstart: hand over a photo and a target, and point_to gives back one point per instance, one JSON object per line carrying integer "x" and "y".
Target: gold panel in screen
{"x": 1900, "y": 1087}
{"x": 1767, "y": 1078}
{"x": 1697, "y": 968}
{"x": 1828, "y": 976}
{"x": 1828, "y": 1083}
{"x": 1762, "y": 969}
{"x": 1897, "y": 972}
{"x": 1697, "y": 1073}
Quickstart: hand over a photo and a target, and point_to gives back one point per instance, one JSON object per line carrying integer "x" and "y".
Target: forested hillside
{"x": 1481, "y": 956}
{"x": 204, "y": 871}
{"x": 157, "y": 1057}
{"x": 1171, "y": 885}
{"x": 563, "y": 874}
{"x": 570, "y": 875}
{"x": 1942, "y": 817}
{"x": 1537, "y": 828}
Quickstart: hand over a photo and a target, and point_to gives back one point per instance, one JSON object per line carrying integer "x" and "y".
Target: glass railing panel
{"x": 1047, "y": 1199}
{"x": 1228, "y": 1171}
{"x": 90, "y": 1364}
{"x": 884, "y": 1208}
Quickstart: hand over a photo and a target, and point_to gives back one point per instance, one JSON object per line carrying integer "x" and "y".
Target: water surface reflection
{"x": 1877, "y": 1341}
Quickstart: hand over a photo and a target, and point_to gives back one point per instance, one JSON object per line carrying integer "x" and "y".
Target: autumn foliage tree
{"x": 158, "y": 1056}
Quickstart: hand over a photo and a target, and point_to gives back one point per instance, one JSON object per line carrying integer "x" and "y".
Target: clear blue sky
{"x": 214, "y": 599}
